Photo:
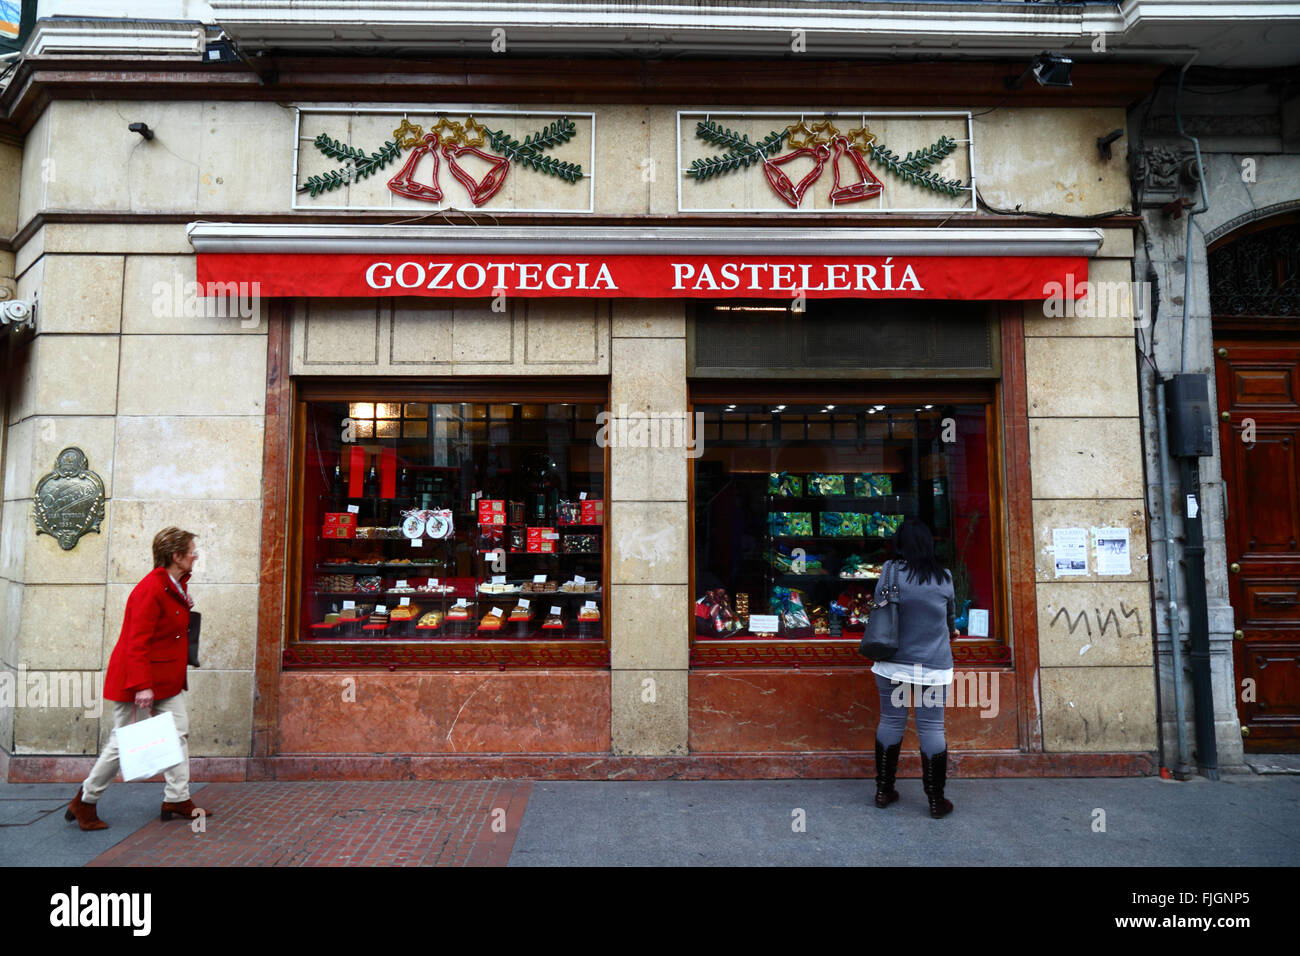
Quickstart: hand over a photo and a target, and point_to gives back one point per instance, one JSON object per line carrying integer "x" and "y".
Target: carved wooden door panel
{"x": 1259, "y": 388}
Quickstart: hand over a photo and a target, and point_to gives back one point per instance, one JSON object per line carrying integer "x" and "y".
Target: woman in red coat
{"x": 147, "y": 672}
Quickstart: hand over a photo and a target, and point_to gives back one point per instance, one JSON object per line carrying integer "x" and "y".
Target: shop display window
{"x": 796, "y": 502}
{"x": 429, "y": 521}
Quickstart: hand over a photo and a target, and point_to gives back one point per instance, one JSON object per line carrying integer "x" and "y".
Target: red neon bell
{"x": 867, "y": 185}
{"x": 404, "y": 185}
{"x": 787, "y": 190}
{"x": 480, "y": 191}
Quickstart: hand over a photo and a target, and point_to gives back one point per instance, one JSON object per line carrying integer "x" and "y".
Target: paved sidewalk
{"x": 1243, "y": 820}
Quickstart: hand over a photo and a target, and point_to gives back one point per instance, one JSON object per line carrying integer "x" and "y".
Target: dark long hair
{"x": 915, "y": 548}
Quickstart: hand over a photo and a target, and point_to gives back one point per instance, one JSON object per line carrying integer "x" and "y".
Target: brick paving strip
{"x": 390, "y": 823}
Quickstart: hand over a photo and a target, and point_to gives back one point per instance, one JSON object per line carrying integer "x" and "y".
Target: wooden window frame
{"x": 395, "y": 653}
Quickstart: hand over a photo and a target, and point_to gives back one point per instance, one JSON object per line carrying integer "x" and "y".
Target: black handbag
{"x": 196, "y": 620}
{"x": 880, "y": 639}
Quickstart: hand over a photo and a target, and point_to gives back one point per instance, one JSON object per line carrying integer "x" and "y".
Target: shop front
{"x": 657, "y": 558}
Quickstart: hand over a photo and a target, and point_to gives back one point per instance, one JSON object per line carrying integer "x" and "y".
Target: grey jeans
{"x": 928, "y": 701}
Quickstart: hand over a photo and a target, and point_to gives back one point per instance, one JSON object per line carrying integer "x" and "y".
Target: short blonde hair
{"x": 170, "y": 541}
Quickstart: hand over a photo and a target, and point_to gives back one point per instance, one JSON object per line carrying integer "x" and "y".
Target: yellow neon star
{"x": 862, "y": 138}
{"x": 408, "y": 134}
{"x": 825, "y": 131}
{"x": 477, "y": 129}
{"x": 800, "y": 135}
{"x": 448, "y": 131}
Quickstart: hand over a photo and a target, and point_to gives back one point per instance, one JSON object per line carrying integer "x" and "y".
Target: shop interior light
{"x": 830, "y": 406}
{"x": 929, "y": 406}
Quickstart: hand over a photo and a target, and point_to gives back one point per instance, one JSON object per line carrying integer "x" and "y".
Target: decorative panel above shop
{"x": 841, "y": 162}
{"x": 427, "y": 159}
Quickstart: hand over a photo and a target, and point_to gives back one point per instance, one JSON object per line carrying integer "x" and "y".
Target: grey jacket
{"x": 926, "y": 613}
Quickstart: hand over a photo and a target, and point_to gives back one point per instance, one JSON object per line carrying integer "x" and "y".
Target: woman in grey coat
{"x": 921, "y": 670}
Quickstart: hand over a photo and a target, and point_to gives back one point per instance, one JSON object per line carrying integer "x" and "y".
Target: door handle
{"x": 1278, "y": 600}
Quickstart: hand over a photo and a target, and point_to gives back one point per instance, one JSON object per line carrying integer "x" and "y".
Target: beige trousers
{"x": 177, "y": 777}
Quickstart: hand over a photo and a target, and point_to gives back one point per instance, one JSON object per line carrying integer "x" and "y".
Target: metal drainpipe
{"x": 1198, "y": 635}
{"x": 1182, "y": 770}
{"x": 1205, "y": 204}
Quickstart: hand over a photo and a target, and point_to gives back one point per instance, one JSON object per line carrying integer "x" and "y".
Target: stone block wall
{"x": 168, "y": 405}
{"x": 1094, "y": 631}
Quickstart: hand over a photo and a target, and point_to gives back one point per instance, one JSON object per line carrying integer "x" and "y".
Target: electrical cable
{"x": 1048, "y": 215}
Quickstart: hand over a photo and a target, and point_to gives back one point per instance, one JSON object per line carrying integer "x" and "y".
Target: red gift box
{"x": 491, "y": 511}
{"x": 593, "y": 512}
{"x": 338, "y": 531}
{"x": 541, "y": 541}
{"x": 340, "y": 518}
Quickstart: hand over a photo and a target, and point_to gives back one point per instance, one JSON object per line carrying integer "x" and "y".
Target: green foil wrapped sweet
{"x": 787, "y": 603}
{"x": 884, "y": 526}
{"x": 791, "y": 523}
{"x": 842, "y": 524}
{"x": 784, "y": 485}
{"x": 785, "y": 561}
{"x": 823, "y": 485}
{"x": 872, "y": 486}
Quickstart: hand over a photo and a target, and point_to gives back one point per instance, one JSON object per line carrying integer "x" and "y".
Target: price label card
{"x": 349, "y": 605}
{"x": 582, "y": 496}
{"x": 523, "y": 602}
{"x": 381, "y": 608}
{"x": 475, "y": 497}
{"x": 590, "y": 604}
{"x": 497, "y": 612}
{"x": 405, "y": 601}
{"x": 763, "y": 624}
{"x": 417, "y": 542}
{"x": 539, "y": 579}
{"x": 498, "y": 579}
{"x": 579, "y": 579}
{"x": 555, "y": 611}
{"x": 401, "y": 583}
{"x": 433, "y": 582}
{"x": 462, "y": 602}
{"x": 978, "y": 621}
{"x": 354, "y": 510}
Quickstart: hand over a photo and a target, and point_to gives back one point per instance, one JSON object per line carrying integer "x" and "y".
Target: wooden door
{"x": 1259, "y": 388}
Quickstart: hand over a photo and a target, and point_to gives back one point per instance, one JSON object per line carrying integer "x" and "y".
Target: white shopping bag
{"x": 147, "y": 747}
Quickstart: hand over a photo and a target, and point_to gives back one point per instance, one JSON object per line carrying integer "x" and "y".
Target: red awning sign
{"x": 649, "y": 276}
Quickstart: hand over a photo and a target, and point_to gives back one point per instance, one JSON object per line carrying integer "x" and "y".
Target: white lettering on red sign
{"x": 472, "y": 276}
{"x": 792, "y": 278}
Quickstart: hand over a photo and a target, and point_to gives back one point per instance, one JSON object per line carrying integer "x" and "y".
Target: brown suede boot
{"x": 84, "y": 814}
{"x": 185, "y": 808}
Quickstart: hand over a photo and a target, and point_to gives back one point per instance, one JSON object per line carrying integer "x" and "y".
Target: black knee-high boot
{"x": 934, "y": 774}
{"x": 886, "y": 770}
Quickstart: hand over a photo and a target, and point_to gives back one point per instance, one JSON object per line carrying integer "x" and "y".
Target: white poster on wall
{"x": 1070, "y": 550}
{"x": 1112, "y": 551}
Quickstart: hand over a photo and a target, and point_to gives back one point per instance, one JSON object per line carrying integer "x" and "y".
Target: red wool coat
{"x": 153, "y": 648}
